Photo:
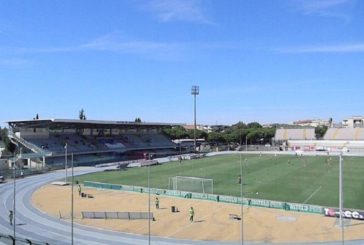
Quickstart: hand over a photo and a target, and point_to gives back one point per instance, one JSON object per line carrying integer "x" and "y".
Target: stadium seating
{"x": 79, "y": 143}
{"x": 344, "y": 134}
{"x": 295, "y": 134}
{"x": 91, "y": 141}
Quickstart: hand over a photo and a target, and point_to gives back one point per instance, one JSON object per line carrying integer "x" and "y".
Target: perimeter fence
{"x": 212, "y": 197}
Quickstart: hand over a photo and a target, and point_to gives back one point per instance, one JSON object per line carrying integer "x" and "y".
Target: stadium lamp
{"x": 195, "y": 91}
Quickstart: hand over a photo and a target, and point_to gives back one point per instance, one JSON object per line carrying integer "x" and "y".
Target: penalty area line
{"x": 312, "y": 194}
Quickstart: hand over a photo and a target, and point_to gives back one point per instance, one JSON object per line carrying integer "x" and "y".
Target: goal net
{"x": 192, "y": 184}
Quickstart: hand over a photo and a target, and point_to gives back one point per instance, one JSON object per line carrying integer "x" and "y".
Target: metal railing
{"x": 8, "y": 239}
{"x": 29, "y": 145}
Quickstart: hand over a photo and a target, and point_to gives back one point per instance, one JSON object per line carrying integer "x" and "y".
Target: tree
{"x": 215, "y": 137}
{"x": 199, "y": 134}
{"x": 320, "y": 131}
{"x": 138, "y": 120}
{"x": 229, "y": 138}
{"x": 82, "y": 115}
{"x": 4, "y": 137}
{"x": 177, "y": 132}
{"x": 238, "y": 132}
{"x": 254, "y": 125}
{"x": 37, "y": 116}
{"x": 239, "y": 125}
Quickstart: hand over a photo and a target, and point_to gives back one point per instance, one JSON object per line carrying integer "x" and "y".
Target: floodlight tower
{"x": 195, "y": 91}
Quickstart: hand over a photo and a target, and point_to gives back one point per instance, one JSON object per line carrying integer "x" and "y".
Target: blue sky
{"x": 254, "y": 60}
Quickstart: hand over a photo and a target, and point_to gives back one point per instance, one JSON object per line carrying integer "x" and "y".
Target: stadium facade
{"x": 47, "y": 141}
{"x": 348, "y": 139}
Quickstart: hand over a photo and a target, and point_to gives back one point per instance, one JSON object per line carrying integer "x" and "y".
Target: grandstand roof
{"x": 76, "y": 123}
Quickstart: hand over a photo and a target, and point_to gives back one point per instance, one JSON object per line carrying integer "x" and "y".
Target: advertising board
{"x": 348, "y": 214}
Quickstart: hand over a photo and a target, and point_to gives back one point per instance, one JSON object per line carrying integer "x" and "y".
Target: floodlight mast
{"x": 195, "y": 91}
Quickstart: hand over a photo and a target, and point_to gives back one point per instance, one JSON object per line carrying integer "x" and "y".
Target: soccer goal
{"x": 192, "y": 184}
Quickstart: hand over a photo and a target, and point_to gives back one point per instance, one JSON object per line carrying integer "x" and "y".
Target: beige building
{"x": 353, "y": 122}
{"x": 312, "y": 123}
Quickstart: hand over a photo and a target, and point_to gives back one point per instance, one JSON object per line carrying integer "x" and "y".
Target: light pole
{"x": 241, "y": 196}
{"x": 341, "y": 197}
{"x": 72, "y": 198}
{"x": 14, "y": 187}
{"x": 149, "y": 199}
{"x": 65, "y": 162}
{"x": 241, "y": 193}
{"x": 195, "y": 91}
{"x": 14, "y": 193}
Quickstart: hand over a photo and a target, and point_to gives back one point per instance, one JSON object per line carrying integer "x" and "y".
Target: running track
{"x": 35, "y": 225}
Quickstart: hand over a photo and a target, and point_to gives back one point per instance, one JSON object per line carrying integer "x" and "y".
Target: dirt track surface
{"x": 212, "y": 220}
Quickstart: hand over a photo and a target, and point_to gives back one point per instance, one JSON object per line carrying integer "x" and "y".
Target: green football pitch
{"x": 307, "y": 179}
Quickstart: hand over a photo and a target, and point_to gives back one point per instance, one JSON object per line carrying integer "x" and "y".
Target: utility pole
{"x": 72, "y": 195}
{"x": 15, "y": 158}
{"x": 65, "y": 162}
{"x": 241, "y": 196}
{"x": 149, "y": 201}
{"x": 241, "y": 192}
{"x": 341, "y": 197}
{"x": 14, "y": 199}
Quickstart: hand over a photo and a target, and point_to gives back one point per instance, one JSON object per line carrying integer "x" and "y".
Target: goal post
{"x": 192, "y": 184}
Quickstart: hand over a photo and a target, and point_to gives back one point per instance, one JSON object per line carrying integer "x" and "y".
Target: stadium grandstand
{"x": 91, "y": 142}
{"x": 347, "y": 139}
{"x": 344, "y": 134}
{"x": 284, "y": 134}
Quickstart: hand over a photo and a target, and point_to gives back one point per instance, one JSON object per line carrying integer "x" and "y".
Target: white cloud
{"x": 118, "y": 43}
{"x": 111, "y": 42}
{"x": 115, "y": 42}
{"x": 178, "y": 10}
{"x": 342, "y": 48}
{"x": 312, "y": 6}
{"x": 325, "y": 8}
{"x": 14, "y": 62}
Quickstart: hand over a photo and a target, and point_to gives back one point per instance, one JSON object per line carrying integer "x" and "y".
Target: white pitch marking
{"x": 313, "y": 193}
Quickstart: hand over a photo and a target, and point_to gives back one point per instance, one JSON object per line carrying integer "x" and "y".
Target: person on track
{"x": 192, "y": 213}
{"x": 156, "y": 203}
{"x": 11, "y": 217}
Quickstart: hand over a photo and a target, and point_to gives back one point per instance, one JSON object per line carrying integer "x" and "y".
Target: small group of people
{"x": 191, "y": 211}
{"x": 11, "y": 213}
